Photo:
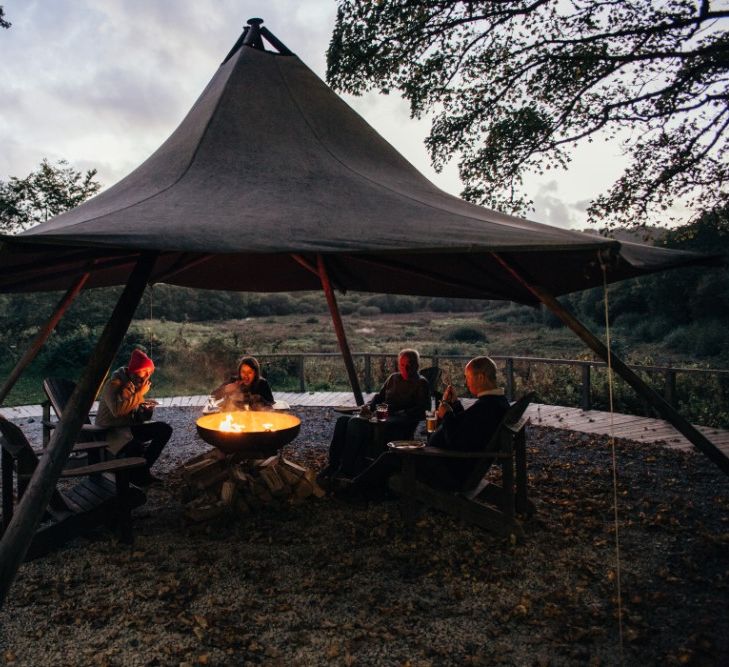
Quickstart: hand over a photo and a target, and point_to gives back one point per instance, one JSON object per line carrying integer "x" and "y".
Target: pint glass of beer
{"x": 431, "y": 421}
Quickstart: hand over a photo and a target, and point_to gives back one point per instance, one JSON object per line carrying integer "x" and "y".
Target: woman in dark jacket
{"x": 247, "y": 389}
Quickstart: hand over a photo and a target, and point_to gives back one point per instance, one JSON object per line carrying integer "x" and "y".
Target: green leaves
{"x": 42, "y": 194}
{"x": 513, "y": 86}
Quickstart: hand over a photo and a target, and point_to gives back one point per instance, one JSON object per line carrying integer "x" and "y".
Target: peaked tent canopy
{"x": 270, "y": 163}
{"x": 272, "y": 183}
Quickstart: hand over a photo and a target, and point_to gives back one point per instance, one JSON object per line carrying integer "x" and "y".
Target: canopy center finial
{"x": 253, "y": 35}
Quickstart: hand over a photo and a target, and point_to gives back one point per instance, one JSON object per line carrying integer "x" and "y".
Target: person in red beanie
{"x": 123, "y": 410}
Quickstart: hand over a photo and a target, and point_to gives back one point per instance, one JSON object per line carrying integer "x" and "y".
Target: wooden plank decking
{"x": 640, "y": 429}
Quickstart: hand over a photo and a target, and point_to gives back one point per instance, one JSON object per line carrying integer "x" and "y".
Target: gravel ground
{"x": 336, "y": 581}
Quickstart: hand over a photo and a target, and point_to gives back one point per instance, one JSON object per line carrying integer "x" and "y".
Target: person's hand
{"x": 443, "y": 409}
{"x": 449, "y": 395}
{"x": 145, "y": 387}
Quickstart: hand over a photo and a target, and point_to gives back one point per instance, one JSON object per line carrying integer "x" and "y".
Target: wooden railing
{"x": 364, "y": 361}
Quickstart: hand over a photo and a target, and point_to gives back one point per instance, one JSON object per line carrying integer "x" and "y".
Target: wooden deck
{"x": 640, "y": 429}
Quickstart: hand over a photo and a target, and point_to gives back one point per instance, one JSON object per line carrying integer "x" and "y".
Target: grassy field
{"x": 193, "y": 358}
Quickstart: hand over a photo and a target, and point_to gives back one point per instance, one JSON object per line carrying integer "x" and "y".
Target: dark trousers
{"x": 356, "y": 441}
{"x": 149, "y": 440}
{"x": 430, "y": 471}
{"x": 349, "y": 445}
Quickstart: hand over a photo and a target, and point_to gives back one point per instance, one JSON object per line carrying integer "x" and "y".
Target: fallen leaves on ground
{"x": 344, "y": 582}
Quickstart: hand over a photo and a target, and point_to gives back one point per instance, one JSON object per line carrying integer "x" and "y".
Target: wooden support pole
{"x": 42, "y": 335}
{"x": 666, "y": 411}
{"x": 585, "y": 389}
{"x": 19, "y": 534}
{"x": 302, "y": 374}
{"x": 339, "y": 330}
{"x": 670, "y": 388}
{"x": 368, "y": 372}
{"x": 7, "y": 476}
{"x": 509, "y": 371}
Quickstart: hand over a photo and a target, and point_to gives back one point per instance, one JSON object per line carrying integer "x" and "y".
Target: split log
{"x": 228, "y": 493}
{"x": 191, "y": 470}
{"x": 291, "y": 472}
{"x": 273, "y": 481}
{"x": 214, "y": 484}
{"x": 206, "y": 474}
{"x": 260, "y": 492}
{"x": 240, "y": 476}
{"x": 298, "y": 476}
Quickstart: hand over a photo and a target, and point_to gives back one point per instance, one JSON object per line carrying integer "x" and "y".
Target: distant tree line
{"x": 687, "y": 309}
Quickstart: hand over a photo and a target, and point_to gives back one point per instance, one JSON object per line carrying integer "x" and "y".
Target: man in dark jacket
{"x": 459, "y": 430}
{"x": 469, "y": 430}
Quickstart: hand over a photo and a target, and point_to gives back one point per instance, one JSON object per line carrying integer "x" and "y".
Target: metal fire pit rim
{"x": 258, "y": 443}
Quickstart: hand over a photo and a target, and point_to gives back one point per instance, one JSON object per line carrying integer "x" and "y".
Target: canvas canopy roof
{"x": 270, "y": 163}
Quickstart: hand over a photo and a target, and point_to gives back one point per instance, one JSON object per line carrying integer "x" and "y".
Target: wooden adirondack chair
{"x": 59, "y": 390}
{"x": 102, "y": 496}
{"x": 433, "y": 375}
{"x": 490, "y": 506}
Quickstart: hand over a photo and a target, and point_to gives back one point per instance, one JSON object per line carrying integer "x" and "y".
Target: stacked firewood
{"x": 214, "y": 484}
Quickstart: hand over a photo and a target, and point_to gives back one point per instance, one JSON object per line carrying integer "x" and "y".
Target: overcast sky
{"x": 102, "y": 83}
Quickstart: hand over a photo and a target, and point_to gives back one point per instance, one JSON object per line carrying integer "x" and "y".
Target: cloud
{"x": 106, "y": 83}
{"x": 582, "y": 205}
{"x": 550, "y": 209}
{"x": 103, "y": 84}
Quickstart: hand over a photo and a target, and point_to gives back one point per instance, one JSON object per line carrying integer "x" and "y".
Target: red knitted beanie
{"x": 139, "y": 362}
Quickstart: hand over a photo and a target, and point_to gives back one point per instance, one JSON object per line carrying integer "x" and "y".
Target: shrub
{"x": 138, "y": 340}
{"x": 440, "y": 304}
{"x": 680, "y": 339}
{"x": 628, "y": 321}
{"x": 393, "y": 303}
{"x": 511, "y": 314}
{"x": 651, "y": 330}
{"x": 368, "y": 311}
{"x": 281, "y": 373}
{"x": 709, "y": 338}
{"x": 67, "y": 355}
{"x": 466, "y": 334}
{"x": 549, "y": 319}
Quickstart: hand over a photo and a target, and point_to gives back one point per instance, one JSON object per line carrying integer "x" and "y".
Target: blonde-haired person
{"x": 407, "y": 395}
{"x": 406, "y": 392}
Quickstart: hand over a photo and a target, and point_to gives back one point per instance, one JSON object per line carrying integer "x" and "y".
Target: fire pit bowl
{"x": 255, "y": 434}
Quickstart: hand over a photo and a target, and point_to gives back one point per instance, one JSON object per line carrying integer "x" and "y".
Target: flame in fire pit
{"x": 229, "y": 426}
{"x": 261, "y": 432}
